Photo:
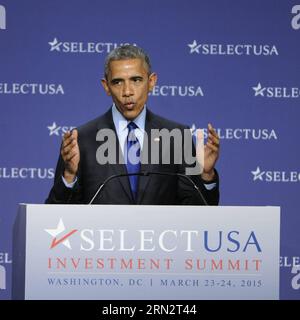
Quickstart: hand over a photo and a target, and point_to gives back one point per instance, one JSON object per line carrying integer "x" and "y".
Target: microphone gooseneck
{"x": 148, "y": 173}
{"x": 113, "y": 177}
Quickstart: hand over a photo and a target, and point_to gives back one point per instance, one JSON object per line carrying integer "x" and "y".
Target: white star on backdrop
{"x": 194, "y": 47}
{"x": 53, "y": 129}
{"x": 259, "y": 90}
{"x": 55, "y": 45}
{"x": 258, "y": 174}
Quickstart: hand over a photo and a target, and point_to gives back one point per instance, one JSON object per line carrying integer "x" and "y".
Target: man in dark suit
{"x": 82, "y": 168}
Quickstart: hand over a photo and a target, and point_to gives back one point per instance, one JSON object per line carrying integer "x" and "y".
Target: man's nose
{"x": 127, "y": 89}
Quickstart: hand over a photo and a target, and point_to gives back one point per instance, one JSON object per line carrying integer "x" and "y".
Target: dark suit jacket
{"x": 153, "y": 189}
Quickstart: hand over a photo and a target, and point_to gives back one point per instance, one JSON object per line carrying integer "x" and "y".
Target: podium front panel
{"x": 148, "y": 252}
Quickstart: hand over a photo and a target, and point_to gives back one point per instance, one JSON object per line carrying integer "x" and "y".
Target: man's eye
{"x": 137, "y": 79}
{"x": 116, "y": 82}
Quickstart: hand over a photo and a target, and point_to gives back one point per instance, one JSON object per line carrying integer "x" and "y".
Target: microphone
{"x": 145, "y": 174}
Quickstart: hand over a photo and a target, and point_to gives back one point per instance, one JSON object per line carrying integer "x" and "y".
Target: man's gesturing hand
{"x": 70, "y": 154}
{"x": 208, "y": 155}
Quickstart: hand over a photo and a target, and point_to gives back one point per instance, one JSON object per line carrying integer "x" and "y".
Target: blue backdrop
{"x": 232, "y": 63}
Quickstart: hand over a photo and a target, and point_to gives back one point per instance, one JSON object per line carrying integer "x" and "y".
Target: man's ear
{"x": 105, "y": 86}
{"x": 152, "y": 81}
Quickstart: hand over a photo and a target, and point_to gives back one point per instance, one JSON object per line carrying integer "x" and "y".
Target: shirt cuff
{"x": 210, "y": 186}
{"x": 69, "y": 185}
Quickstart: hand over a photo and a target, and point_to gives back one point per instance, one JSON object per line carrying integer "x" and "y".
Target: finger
{"x": 200, "y": 138}
{"x": 212, "y": 147}
{"x": 200, "y": 134}
{"x": 65, "y": 150}
{"x": 69, "y": 137}
{"x": 212, "y": 130}
{"x": 69, "y": 147}
{"x": 71, "y": 154}
{"x": 200, "y": 148}
{"x": 214, "y": 140}
{"x": 70, "y": 158}
{"x": 67, "y": 142}
{"x": 75, "y": 134}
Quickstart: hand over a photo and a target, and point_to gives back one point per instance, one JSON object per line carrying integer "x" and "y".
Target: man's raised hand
{"x": 70, "y": 154}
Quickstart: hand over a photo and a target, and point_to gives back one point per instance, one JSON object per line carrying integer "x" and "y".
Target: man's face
{"x": 128, "y": 83}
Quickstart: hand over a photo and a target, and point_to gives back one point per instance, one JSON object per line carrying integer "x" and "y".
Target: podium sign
{"x": 146, "y": 252}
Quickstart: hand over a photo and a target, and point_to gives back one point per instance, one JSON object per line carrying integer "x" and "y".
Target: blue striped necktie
{"x": 133, "y": 153}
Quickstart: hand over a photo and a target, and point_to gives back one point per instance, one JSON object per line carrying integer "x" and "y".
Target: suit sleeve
{"x": 186, "y": 193}
{"x": 59, "y": 193}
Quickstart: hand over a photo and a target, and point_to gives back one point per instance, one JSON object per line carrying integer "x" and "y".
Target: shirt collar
{"x": 121, "y": 122}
